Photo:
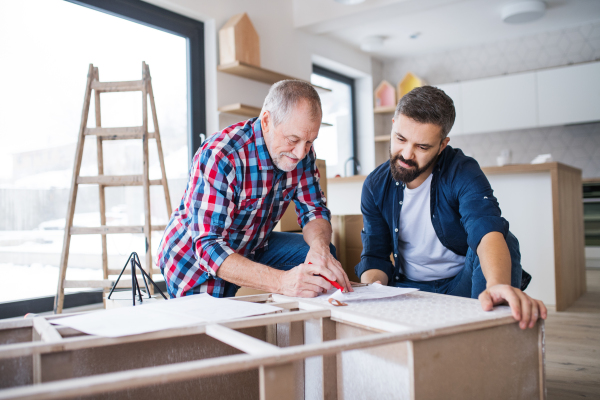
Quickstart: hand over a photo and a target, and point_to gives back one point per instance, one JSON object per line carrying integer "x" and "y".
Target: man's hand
{"x": 374, "y": 276}
{"x": 301, "y": 281}
{"x": 523, "y": 307}
{"x": 332, "y": 269}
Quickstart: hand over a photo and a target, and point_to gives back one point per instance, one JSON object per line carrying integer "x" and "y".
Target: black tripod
{"x": 135, "y": 261}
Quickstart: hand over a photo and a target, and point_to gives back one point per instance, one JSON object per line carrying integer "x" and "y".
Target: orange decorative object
{"x": 408, "y": 83}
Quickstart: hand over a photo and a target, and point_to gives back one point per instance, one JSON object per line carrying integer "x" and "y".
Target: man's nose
{"x": 407, "y": 153}
{"x": 299, "y": 151}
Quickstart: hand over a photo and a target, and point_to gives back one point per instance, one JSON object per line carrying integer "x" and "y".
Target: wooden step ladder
{"x": 103, "y": 181}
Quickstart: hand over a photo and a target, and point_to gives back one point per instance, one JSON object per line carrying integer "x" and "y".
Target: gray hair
{"x": 285, "y": 95}
{"x": 428, "y": 105}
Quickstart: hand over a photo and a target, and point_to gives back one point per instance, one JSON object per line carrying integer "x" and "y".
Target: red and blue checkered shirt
{"x": 234, "y": 198}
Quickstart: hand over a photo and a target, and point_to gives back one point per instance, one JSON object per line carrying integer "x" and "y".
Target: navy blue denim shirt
{"x": 463, "y": 210}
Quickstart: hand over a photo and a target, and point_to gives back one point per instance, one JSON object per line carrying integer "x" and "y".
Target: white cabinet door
{"x": 454, "y": 92}
{"x": 500, "y": 103}
{"x": 569, "y": 95}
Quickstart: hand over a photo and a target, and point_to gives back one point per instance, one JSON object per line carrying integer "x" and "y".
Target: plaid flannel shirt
{"x": 234, "y": 198}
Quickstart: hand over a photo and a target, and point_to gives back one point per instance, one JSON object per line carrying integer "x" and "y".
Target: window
{"x": 337, "y": 137}
{"x": 49, "y": 44}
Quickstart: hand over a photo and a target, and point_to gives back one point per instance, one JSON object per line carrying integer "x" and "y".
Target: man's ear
{"x": 265, "y": 120}
{"x": 444, "y": 144}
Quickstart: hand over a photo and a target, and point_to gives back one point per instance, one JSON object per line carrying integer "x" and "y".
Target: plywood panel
{"x": 494, "y": 363}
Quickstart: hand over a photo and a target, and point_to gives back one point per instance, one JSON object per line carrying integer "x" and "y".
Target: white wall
{"x": 283, "y": 49}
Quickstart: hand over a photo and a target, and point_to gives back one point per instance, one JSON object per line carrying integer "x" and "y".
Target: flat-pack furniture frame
{"x": 416, "y": 346}
{"x": 126, "y": 133}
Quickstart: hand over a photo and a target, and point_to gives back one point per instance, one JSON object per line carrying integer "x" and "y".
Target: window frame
{"x": 336, "y": 76}
{"x": 158, "y": 18}
{"x": 193, "y": 30}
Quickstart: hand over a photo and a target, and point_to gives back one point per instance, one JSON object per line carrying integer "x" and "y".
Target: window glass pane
{"x": 46, "y": 47}
{"x": 334, "y": 143}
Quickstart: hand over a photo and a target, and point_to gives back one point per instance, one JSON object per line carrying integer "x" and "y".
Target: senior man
{"x": 241, "y": 181}
{"x": 433, "y": 208}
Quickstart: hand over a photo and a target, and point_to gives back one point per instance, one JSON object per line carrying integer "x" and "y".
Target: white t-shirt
{"x": 425, "y": 257}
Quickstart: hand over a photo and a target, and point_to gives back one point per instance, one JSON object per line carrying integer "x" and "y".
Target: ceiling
{"x": 441, "y": 24}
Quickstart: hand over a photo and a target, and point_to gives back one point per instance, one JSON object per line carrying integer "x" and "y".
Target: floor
{"x": 573, "y": 346}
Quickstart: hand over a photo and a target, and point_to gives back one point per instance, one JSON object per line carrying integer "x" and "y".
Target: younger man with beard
{"x": 434, "y": 209}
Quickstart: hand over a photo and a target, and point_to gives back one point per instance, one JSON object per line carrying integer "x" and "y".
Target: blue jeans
{"x": 285, "y": 251}
{"x": 469, "y": 282}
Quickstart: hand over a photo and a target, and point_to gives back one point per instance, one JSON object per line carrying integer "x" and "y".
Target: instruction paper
{"x": 172, "y": 313}
{"x": 370, "y": 292}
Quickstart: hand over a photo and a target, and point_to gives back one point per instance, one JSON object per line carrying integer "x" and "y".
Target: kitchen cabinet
{"x": 453, "y": 90}
{"x": 569, "y": 95}
{"x": 557, "y": 96}
{"x": 543, "y": 204}
{"x": 499, "y": 104}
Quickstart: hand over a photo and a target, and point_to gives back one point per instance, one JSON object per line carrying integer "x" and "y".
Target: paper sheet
{"x": 160, "y": 315}
{"x": 370, "y": 292}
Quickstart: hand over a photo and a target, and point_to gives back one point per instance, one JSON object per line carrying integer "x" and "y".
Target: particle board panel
{"x": 123, "y": 357}
{"x": 415, "y": 310}
{"x": 495, "y": 363}
{"x": 16, "y": 335}
{"x": 16, "y": 371}
{"x": 357, "y": 367}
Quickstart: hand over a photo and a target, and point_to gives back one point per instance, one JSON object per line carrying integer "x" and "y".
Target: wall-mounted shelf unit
{"x": 384, "y": 110}
{"x": 259, "y": 74}
{"x": 382, "y": 138}
{"x": 248, "y": 111}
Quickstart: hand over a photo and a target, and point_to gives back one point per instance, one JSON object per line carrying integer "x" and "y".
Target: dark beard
{"x": 405, "y": 175}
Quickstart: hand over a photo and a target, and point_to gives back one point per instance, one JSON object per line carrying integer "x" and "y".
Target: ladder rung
{"x": 114, "y": 271}
{"x": 132, "y": 132}
{"x": 115, "y": 180}
{"x": 91, "y": 230}
{"x": 125, "y": 86}
{"x": 101, "y": 283}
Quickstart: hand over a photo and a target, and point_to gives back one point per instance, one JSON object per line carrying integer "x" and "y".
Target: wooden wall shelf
{"x": 384, "y": 110}
{"x": 241, "y": 109}
{"x": 382, "y": 138}
{"x": 248, "y": 111}
{"x": 259, "y": 74}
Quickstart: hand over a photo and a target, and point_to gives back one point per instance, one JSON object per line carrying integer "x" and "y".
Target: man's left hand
{"x": 524, "y": 308}
{"x": 321, "y": 256}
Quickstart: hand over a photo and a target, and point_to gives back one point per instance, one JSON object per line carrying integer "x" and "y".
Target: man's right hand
{"x": 302, "y": 281}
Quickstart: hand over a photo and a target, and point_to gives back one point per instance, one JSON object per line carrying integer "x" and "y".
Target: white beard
{"x": 287, "y": 167}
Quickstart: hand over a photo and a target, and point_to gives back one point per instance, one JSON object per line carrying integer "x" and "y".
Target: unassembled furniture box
{"x": 416, "y": 346}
